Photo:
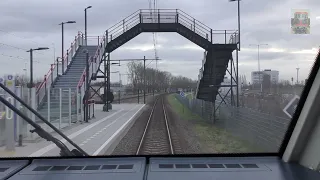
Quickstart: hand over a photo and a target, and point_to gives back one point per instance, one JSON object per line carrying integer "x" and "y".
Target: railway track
{"x": 156, "y": 137}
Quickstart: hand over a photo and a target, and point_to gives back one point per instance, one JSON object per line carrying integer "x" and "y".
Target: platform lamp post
{"x": 62, "y": 41}
{"x": 31, "y": 85}
{"x": 85, "y": 23}
{"x": 87, "y": 86}
{"x": 238, "y": 20}
{"x": 238, "y": 49}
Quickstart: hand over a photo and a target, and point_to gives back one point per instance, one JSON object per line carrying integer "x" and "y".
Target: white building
{"x": 274, "y": 76}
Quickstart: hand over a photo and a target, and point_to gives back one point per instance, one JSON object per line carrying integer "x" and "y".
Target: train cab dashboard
{"x": 139, "y": 168}
{"x": 297, "y": 159}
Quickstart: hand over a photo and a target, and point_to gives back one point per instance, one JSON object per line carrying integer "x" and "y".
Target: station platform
{"x": 97, "y": 137}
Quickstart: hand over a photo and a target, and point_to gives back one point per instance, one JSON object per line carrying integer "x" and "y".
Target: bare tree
{"x": 155, "y": 79}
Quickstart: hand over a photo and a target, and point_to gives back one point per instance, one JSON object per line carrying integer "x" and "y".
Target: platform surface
{"x": 93, "y": 137}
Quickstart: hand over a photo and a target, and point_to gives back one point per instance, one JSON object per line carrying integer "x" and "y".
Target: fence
{"x": 19, "y": 125}
{"x": 202, "y": 108}
{"x": 61, "y": 108}
{"x": 271, "y": 104}
{"x": 126, "y": 97}
{"x": 263, "y": 130}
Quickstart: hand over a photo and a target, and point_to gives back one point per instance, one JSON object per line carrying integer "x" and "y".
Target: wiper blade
{"x": 64, "y": 151}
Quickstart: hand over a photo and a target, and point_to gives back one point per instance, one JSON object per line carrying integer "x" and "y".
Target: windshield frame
{"x": 302, "y": 101}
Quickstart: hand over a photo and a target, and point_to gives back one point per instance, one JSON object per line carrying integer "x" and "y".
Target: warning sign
{"x": 9, "y": 81}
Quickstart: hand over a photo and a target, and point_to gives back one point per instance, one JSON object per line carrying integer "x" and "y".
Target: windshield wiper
{"x": 64, "y": 151}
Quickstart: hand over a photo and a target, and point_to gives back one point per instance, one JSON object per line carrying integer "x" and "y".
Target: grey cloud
{"x": 44, "y": 16}
{"x": 38, "y": 21}
{"x": 268, "y": 56}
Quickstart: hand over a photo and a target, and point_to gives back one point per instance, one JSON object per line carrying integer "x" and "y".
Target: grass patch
{"x": 180, "y": 109}
{"x": 217, "y": 140}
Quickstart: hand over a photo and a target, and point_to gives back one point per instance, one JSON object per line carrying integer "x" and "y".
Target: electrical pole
{"x": 120, "y": 80}
{"x": 297, "y": 75}
{"x": 144, "y": 79}
{"x": 259, "y": 71}
{"x": 238, "y": 1}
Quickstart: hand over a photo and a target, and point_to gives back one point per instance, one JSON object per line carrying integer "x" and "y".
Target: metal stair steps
{"x": 68, "y": 80}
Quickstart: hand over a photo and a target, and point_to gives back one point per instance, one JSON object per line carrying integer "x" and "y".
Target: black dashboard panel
{"x": 160, "y": 168}
{"x": 83, "y": 169}
{"x": 10, "y": 167}
{"x": 230, "y": 168}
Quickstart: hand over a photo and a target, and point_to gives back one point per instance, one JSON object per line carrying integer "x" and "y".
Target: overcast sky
{"x": 34, "y": 23}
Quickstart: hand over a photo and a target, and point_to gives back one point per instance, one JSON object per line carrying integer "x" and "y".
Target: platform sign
{"x": 10, "y": 142}
{"x": 291, "y": 106}
{"x": 2, "y": 112}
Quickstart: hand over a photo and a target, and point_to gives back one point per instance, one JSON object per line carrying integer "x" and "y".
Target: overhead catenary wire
{"x": 15, "y": 47}
{"x": 21, "y": 58}
{"x": 19, "y": 48}
{"x": 153, "y": 6}
{"x": 15, "y": 57}
{"x": 25, "y": 38}
{"x": 18, "y": 36}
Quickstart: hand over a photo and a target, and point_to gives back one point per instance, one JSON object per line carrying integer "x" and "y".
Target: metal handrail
{"x": 54, "y": 65}
{"x": 160, "y": 14}
{"x": 122, "y": 20}
{"x": 52, "y": 74}
{"x": 92, "y": 61}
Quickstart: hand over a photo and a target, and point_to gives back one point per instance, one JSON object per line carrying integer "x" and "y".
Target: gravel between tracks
{"x": 130, "y": 142}
{"x": 183, "y": 137}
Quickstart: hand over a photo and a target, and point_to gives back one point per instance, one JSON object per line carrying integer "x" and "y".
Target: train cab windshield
{"x": 149, "y": 79}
